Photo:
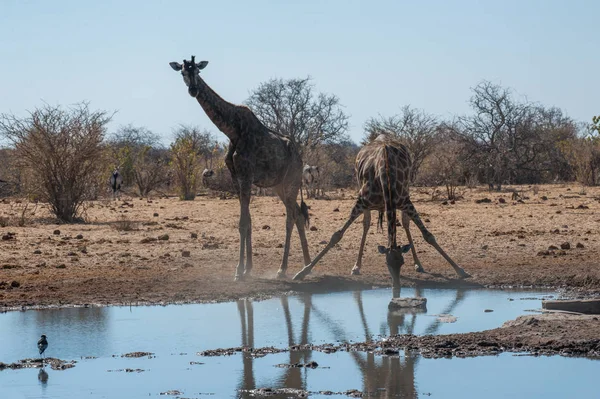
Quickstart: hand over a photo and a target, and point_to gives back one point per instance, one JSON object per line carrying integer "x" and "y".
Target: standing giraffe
{"x": 256, "y": 155}
{"x": 383, "y": 170}
{"x": 311, "y": 179}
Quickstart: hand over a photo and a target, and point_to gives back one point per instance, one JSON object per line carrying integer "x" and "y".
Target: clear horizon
{"x": 375, "y": 56}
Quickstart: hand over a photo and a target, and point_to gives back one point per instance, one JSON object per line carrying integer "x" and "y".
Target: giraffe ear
{"x": 382, "y": 249}
{"x": 406, "y": 248}
{"x": 202, "y": 64}
{"x": 176, "y": 65}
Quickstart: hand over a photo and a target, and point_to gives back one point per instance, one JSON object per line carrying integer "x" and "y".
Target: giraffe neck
{"x": 220, "y": 112}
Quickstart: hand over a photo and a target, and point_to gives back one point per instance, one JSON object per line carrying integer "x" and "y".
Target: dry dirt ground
{"x": 117, "y": 257}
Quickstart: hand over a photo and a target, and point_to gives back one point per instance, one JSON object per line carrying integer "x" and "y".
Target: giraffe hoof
{"x": 463, "y": 274}
{"x": 281, "y": 275}
{"x": 355, "y": 272}
{"x": 419, "y": 268}
{"x": 238, "y": 278}
{"x": 299, "y": 276}
{"x": 247, "y": 273}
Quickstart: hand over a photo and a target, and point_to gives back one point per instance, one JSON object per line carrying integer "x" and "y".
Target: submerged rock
{"x": 403, "y": 303}
{"x": 138, "y": 354}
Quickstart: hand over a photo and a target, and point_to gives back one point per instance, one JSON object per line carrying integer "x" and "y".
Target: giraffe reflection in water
{"x": 383, "y": 376}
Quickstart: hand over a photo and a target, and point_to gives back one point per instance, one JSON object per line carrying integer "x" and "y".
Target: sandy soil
{"x": 116, "y": 258}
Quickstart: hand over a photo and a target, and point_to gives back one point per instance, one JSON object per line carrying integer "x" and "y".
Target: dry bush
{"x": 124, "y": 224}
{"x": 19, "y": 215}
{"x": 189, "y": 154}
{"x": 583, "y": 155}
{"x": 60, "y": 149}
{"x": 443, "y": 168}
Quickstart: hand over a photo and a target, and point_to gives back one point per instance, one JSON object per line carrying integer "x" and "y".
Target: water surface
{"x": 175, "y": 333}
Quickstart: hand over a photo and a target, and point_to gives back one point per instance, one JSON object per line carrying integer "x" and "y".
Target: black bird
{"x": 42, "y": 344}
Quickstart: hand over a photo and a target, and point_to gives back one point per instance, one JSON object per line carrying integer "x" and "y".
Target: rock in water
{"x": 404, "y": 303}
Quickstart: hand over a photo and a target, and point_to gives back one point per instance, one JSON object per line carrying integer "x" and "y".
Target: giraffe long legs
{"x": 358, "y": 209}
{"x": 406, "y": 225}
{"x": 302, "y": 233}
{"x": 289, "y": 225}
{"x": 245, "y": 235}
{"x": 293, "y": 216}
{"x": 366, "y": 224}
{"x": 412, "y": 213}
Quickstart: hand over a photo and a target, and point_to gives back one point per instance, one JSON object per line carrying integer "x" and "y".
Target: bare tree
{"x": 415, "y": 128}
{"x": 292, "y": 107}
{"x": 501, "y": 132}
{"x": 62, "y": 151}
{"x": 190, "y": 153}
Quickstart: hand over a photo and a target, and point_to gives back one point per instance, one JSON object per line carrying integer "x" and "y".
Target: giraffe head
{"x": 190, "y": 70}
{"x": 394, "y": 259}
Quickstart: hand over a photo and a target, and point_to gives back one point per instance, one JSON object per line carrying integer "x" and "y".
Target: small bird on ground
{"x": 42, "y": 344}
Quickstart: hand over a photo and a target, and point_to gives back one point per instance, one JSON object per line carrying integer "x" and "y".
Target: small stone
{"x": 444, "y": 202}
{"x": 552, "y": 248}
{"x": 400, "y": 303}
{"x": 501, "y": 200}
{"x": 37, "y": 252}
{"x": 579, "y": 245}
{"x": 194, "y": 235}
{"x": 146, "y": 240}
{"x": 565, "y": 245}
{"x": 266, "y": 227}
{"x": 163, "y": 237}
{"x": 336, "y": 210}
{"x": 543, "y": 253}
{"x": 8, "y": 236}
{"x": 155, "y": 215}
{"x": 61, "y": 266}
{"x": 544, "y": 198}
{"x": 56, "y": 232}
{"x": 15, "y": 284}
{"x": 313, "y": 228}
{"x": 485, "y": 247}
{"x": 280, "y": 245}
{"x": 185, "y": 254}
{"x": 79, "y": 237}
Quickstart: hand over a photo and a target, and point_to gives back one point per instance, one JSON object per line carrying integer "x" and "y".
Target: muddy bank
{"x": 546, "y": 334}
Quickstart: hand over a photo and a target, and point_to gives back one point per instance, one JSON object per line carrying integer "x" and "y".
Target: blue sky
{"x": 375, "y": 55}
